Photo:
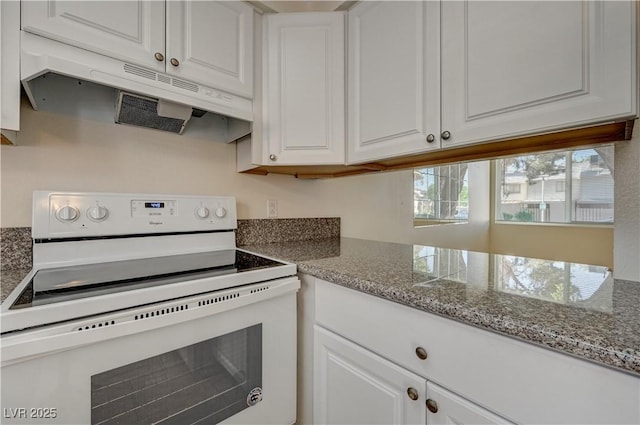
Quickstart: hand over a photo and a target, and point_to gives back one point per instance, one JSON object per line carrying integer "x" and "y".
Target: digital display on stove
{"x": 154, "y": 205}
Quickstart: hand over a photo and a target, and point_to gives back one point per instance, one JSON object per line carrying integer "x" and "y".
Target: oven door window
{"x": 203, "y": 383}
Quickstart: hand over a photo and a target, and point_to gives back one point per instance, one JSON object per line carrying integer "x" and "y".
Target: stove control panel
{"x": 82, "y": 214}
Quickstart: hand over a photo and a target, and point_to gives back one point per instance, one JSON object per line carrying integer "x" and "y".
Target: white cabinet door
{"x": 393, "y": 79}
{"x": 524, "y": 67}
{"x": 10, "y": 65}
{"x": 212, "y": 42}
{"x": 128, "y": 30}
{"x": 355, "y": 386}
{"x": 447, "y": 408}
{"x": 303, "y": 78}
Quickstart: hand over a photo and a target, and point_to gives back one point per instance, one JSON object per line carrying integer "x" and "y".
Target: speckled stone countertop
{"x": 573, "y": 308}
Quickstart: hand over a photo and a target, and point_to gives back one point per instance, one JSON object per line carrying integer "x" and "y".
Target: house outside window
{"x": 441, "y": 194}
{"x": 557, "y": 187}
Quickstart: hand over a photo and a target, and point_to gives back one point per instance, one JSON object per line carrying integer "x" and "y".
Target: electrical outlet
{"x": 272, "y": 208}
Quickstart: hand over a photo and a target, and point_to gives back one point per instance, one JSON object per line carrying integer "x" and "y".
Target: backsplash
{"x": 261, "y": 231}
{"x": 16, "y": 249}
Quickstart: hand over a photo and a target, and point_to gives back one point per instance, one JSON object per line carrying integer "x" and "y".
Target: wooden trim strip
{"x": 561, "y": 140}
{"x": 582, "y": 137}
{"x": 5, "y": 141}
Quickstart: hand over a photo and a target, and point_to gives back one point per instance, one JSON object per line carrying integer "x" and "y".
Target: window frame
{"x": 568, "y": 189}
{"x": 424, "y": 222}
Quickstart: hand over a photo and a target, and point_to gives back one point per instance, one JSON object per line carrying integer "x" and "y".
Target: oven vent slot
{"x": 219, "y": 299}
{"x": 161, "y": 312}
{"x": 96, "y": 325}
{"x": 256, "y": 290}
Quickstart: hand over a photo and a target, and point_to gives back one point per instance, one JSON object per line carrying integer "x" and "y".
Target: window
{"x": 440, "y": 194}
{"x": 556, "y": 187}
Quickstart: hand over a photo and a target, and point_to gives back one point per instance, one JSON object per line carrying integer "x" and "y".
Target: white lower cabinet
{"x": 352, "y": 385}
{"x": 445, "y": 408}
{"x": 368, "y": 352}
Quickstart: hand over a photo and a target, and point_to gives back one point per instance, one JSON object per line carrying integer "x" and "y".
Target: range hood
{"x": 66, "y": 79}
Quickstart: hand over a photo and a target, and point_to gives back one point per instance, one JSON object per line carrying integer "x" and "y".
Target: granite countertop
{"x": 573, "y": 308}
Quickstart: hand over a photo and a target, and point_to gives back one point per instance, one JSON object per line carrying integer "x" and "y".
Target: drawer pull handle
{"x": 432, "y": 406}
{"x": 421, "y": 353}
{"x": 412, "y": 393}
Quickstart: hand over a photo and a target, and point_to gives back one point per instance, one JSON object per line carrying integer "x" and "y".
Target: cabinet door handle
{"x": 430, "y": 138}
{"x": 412, "y": 393}
{"x": 421, "y": 353}
{"x": 159, "y": 56}
{"x": 174, "y": 62}
{"x": 272, "y": 157}
{"x": 446, "y": 135}
{"x": 432, "y": 406}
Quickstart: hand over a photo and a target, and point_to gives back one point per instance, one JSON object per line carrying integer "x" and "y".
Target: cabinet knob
{"x": 159, "y": 56}
{"x": 445, "y": 135}
{"x": 421, "y": 353}
{"x": 432, "y": 406}
{"x": 174, "y": 62}
{"x": 430, "y": 138}
{"x": 272, "y": 157}
{"x": 412, "y": 393}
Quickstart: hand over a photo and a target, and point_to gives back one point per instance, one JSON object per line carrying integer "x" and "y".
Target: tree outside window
{"x": 557, "y": 187}
{"x": 441, "y": 194}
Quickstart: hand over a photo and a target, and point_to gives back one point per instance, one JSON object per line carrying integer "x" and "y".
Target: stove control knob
{"x": 202, "y": 212}
{"x": 67, "y": 214}
{"x": 97, "y": 213}
{"x": 220, "y": 212}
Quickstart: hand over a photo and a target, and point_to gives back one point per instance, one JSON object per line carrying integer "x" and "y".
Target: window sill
{"x": 574, "y": 225}
{"x": 417, "y": 223}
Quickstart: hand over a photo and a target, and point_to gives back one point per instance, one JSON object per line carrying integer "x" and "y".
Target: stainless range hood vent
{"x": 65, "y": 79}
{"x": 143, "y": 111}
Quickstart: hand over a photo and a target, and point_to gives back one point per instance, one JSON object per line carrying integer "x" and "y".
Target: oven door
{"x": 223, "y": 357}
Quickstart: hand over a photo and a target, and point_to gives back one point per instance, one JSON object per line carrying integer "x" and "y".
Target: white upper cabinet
{"x": 9, "y": 66}
{"x": 208, "y": 42}
{"x": 303, "y": 89}
{"x": 393, "y": 79}
{"x": 211, "y": 42}
{"x": 128, "y": 30}
{"x": 516, "y": 68}
{"x": 476, "y": 71}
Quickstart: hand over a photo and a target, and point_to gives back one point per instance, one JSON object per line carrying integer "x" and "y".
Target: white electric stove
{"x": 140, "y": 309}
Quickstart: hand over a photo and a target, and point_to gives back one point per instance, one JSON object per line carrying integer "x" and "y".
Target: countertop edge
{"x": 621, "y": 361}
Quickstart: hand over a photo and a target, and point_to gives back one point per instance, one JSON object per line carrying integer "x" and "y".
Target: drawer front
{"x": 517, "y": 380}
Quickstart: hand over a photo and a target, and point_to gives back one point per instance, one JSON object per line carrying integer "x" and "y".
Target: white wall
{"x": 626, "y": 251}
{"x": 380, "y": 206}
{"x": 59, "y": 152}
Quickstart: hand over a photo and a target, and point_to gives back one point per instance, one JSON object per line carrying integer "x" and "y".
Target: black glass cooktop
{"x": 73, "y": 282}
